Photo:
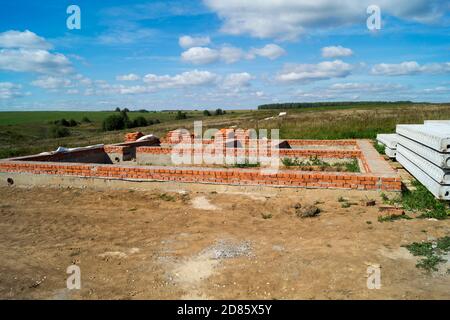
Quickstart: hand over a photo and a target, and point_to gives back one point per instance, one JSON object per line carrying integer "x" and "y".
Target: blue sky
{"x": 220, "y": 53}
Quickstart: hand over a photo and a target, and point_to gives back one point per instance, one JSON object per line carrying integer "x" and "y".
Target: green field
{"x": 23, "y": 133}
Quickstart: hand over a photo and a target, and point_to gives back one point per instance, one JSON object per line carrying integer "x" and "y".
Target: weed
{"x": 345, "y": 205}
{"x": 247, "y": 165}
{"x": 166, "y": 197}
{"x": 422, "y": 200}
{"x": 393, "y": 218}
{"x": 369, "y": 222}
{"x": 384, "y": 198}
{"x": 352, "y": 166}
{"x": 431, "y": 251}
{"x": 381, "y": 148}
{"x": 266, "y": 215}
{"x": 341, "y": 199}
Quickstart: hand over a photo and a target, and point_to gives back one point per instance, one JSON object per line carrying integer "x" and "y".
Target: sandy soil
{"x": 148, "y": 245}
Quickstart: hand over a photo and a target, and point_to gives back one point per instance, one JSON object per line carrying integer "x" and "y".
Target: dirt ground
{"x": 189, "y": 245}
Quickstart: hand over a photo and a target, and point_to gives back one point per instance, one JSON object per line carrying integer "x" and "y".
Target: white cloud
{"x": 336, "y": 51}
{"x": 271, "y": 51}
{"x": 288, "y": 19}
{"x": 25, "y": 40}
{"x": 357, "y": 87}
{"x": 185, "y": 79}
{"x": 187, "y": 42}
{"x": 51, "y": 82}
{"x": 10, "y": 90}
{"x": 313, "y": 72}
{"x": 39, "y": 61}
{"x": 125, "y": 35}
{"x": 229, "y": 54}
{"x": 200, "y": 55}
{"x": 437, "y": 90}
{"x": 27, "y": 52}
{"x": 128, "y": 77}
{"x": 237, "y": 80}
{"x": 410, "y": 68}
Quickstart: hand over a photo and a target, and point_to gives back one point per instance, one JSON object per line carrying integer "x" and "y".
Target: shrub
{"x": 59, "y": 132}
{"x": 72, "y": 123}
{"x": 219, "y": 112}
{"x": 86, "y": 120}
{"x": 117, "y": 109}
{"x": 140, "y": 122}
{"x": 62, "y": 122}
{"x": 207, "y": 113}
{"x": 114, "y": 122}
{"x": 180, "y": 115}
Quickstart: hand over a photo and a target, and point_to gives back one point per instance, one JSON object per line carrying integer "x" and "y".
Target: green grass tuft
{"x": 431, "y": 251}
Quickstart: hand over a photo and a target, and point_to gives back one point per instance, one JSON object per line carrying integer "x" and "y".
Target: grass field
{"x": 24, "y": 133}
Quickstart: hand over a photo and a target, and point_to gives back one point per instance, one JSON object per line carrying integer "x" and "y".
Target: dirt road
{"x": 150, "y": 245}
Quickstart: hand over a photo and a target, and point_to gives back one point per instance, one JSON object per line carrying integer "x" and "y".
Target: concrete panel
{"x": 438, "y": 190}
{"x": 439, "y": 175}
{"x": 391, "y": 153}
{"x": 436, "y": 137}
{"x": 389, "y": 140}
{"x": 440, "y": 159}
{"x": 432, "y": 122}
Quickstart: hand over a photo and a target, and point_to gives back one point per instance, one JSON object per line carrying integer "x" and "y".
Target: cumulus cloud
{"x": 39, "y": 61}
{"x": 237, "y": 80}
{"x": 288, "y": 19}
{"x": 409, "y": 68}
{"x": 10, "y": 90}
{"x": 187, "y": 42}
{"x": 185, "y": 79}
{"x": 27, "y": 52}
{"x": 229, "y": 54}
{"x": 336, "y": 51}
{"x": 51, "y": 82}
{"x": 271, "y": 51}
{"x": 128, "y": 77}
{"x": 200, "y": 55}
{"x": 25, "y": 40}
{"x": 313, "y": 72}
{"x": 358, "y": 87}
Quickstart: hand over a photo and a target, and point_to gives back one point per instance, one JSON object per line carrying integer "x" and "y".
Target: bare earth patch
{"x": 138, "y": 245}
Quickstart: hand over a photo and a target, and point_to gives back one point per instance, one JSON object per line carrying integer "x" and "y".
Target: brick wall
{"x": 210, "y": 175}
{"x": 334, "y": 154}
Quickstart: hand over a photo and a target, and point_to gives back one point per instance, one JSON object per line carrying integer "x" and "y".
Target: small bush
{"x": 62, "y": 122}
{"x": 72, "y": 123}
{"x": 180, "y": 115}
{"x": 114, "y": 122}
{"x": 207, "y": 113}
{"x": 219, "y": 112}
{"x": 86, "y": 120}
{"x": 140, "y": 122}
{"x": 59, "y": 132}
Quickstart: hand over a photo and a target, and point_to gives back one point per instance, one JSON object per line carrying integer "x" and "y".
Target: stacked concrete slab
{"x": 389, "y": 141}
{"x": 424, "y": 150}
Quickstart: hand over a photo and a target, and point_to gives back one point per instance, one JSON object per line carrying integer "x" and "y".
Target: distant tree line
{"x": 299, "y": 105}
